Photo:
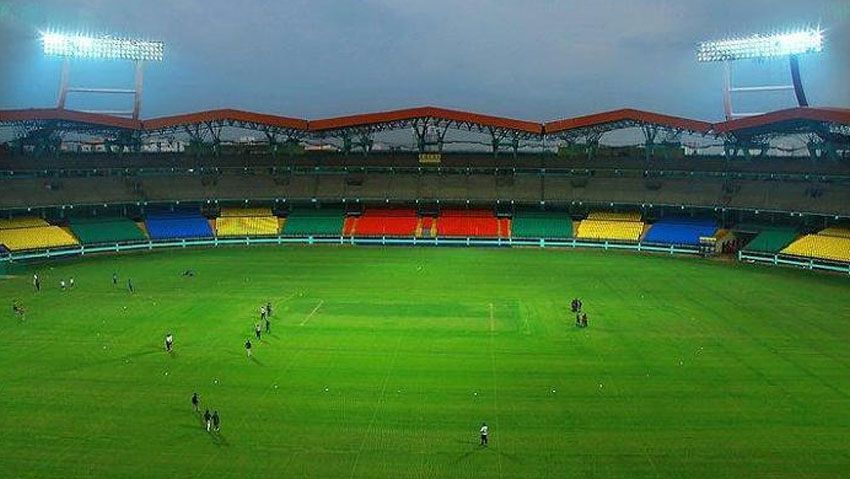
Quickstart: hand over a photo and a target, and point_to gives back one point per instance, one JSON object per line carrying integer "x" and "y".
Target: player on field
{"x": 169, "y": 342}
{"x": 36, "y": 282}
{"x": 71, "y": 282}
{"x": 269, "y": 308}
{"x": 258, "y": 331}
{"x": 208, "y": 419}
{"x": 263, "y": 313}
{"x": 216, "y": 421}
{"x": 19, "y": 310}
{"x": 485, "y": 432}
{"x": 62, "y": 284}
{"x": 268, "y": 325}
{"x": 114, "y": 279}
{"x": 196, "y": 402}
{"x": 248, "y": 347}
{"x": 130, "y": 286}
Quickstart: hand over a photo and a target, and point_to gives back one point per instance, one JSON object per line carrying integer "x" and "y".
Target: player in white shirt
{"x": 485, "y": 431}
{"x": 169, "y": 342}
{"x": 62, "y": 284}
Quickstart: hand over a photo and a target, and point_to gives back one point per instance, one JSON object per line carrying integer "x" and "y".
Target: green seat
{"x": 772, "y": 240}
{"x": 314, "y": 222}
{"x": 539, "y": 224}
{"x": 105, "y": 230}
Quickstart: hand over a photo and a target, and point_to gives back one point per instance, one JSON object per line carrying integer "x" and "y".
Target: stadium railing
{"x": 58, "y": 253}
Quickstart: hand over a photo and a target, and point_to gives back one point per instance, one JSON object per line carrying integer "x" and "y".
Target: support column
{"x": 137, "y": 92}
{"x": 63, "y": 83}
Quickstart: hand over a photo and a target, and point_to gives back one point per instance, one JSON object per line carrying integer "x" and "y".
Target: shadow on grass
{"x": 218, "y": 439}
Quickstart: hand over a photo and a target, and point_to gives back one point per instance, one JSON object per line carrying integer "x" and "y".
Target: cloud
{"x": 535, "y": 59}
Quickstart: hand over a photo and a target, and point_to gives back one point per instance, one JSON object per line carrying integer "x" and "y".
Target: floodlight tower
{"x": 102, "y": 47}
{"x": 761, "y": 47}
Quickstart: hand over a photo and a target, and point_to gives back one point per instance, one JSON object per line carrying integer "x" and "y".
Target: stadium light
{"x": 70, "y": 46}
{"x": 762, "y": 46}
{"x": 790, "y": 44}
{"x": 105, "y": 46}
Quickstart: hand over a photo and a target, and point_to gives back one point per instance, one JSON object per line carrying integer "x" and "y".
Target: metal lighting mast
{"x": 759, "y": 47}
{"x": 102, "y": 47}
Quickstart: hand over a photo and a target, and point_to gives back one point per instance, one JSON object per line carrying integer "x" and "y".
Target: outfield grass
{"x": 689, "y": 368}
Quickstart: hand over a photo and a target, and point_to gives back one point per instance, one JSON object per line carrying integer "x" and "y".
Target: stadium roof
{"x": 625, "y": 118}
{"x": 68, "y": 117}
{"x": 784, "y": 121}
{"x": 224, "y": 115}
{"x": 454, "y": 116}
{"x": 792, "y": 120}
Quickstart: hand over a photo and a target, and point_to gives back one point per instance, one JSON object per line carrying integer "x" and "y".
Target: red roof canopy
{"x": 831, "y": 115}
{"x": 626, "y": 114}
{"x": 368, "y": 119}
{"x": 96, "y": 119}
{"x": 224, "y": 115}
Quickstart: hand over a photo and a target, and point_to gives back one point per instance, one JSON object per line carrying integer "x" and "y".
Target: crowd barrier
{"x": 783, "y": 260}
{"x": 343, "y": 240}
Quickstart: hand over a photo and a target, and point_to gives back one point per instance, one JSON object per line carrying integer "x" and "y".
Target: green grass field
{"x": 689, "y": 368}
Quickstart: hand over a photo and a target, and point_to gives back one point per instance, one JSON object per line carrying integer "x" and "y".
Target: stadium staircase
{"x": 246, "y": 222}
{"x": 536, "y": 224}
{"x": 831, "y": 244}
{"x": 177, "y": 224}
{"x": 29, "y": 233}
{"x": 606, "y": 225}
{"x": 680, "y": 231}
{"x": 106, "y": 230}
{"x": 324, "y": 222}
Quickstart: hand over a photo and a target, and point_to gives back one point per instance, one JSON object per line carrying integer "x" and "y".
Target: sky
{"x": 531, "y": 59}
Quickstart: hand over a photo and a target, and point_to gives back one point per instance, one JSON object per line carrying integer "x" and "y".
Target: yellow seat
{"x": 24, "y": 222}
{"x": 247, "y": 222}
{"x": 612, "y": 216}
{"x": 37, "y": 237}
{"x": 610, "y": 230}
{"x": 833, "y": 231}
{"x": 229, "y": 212}
{"x": 833, "y": 248}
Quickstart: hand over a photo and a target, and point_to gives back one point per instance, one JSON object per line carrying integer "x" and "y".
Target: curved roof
{"x": 174, "y": 121}
{"x": 793, "y": 119}
{"x": 53, "y": 114}
{"x": 368, "y": 119}
{"x": 784, "y": 118}
{"x": 626, "y": 115}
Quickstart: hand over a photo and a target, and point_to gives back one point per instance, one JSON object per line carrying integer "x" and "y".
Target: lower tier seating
{"x": 246, "y": 222}
{"x": 680, "y": 231}
{"x": 324, "y": 222}
{"x": 36, "y": 237}
{"x": 386, "y": 222}
{"x": 537, "y": 224}
{"x": 177, "y": 225}
{"x": 606, "y": 225}
{"x": 469, "y": 223}
{"x": 819, "y": 246}
{"x": 772, "y": 240}
{"x": 105, "y": 230}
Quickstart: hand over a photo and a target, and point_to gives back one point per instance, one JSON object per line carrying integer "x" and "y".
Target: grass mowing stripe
{"x": 495, "y": 384}
{"x": 312, "y": 312}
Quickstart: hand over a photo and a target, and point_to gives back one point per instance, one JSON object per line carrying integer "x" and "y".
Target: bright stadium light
{"x": 762, "y": 46}
{"x": 788, "y": 45}
{"x": 106, "y": 47}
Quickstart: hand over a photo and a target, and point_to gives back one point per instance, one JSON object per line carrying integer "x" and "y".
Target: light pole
{"x": 102, "y": 47}
{"x": 788, "y": 45}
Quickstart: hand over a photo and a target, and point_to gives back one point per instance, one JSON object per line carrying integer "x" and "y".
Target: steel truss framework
{"x": 828, "y": 129}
